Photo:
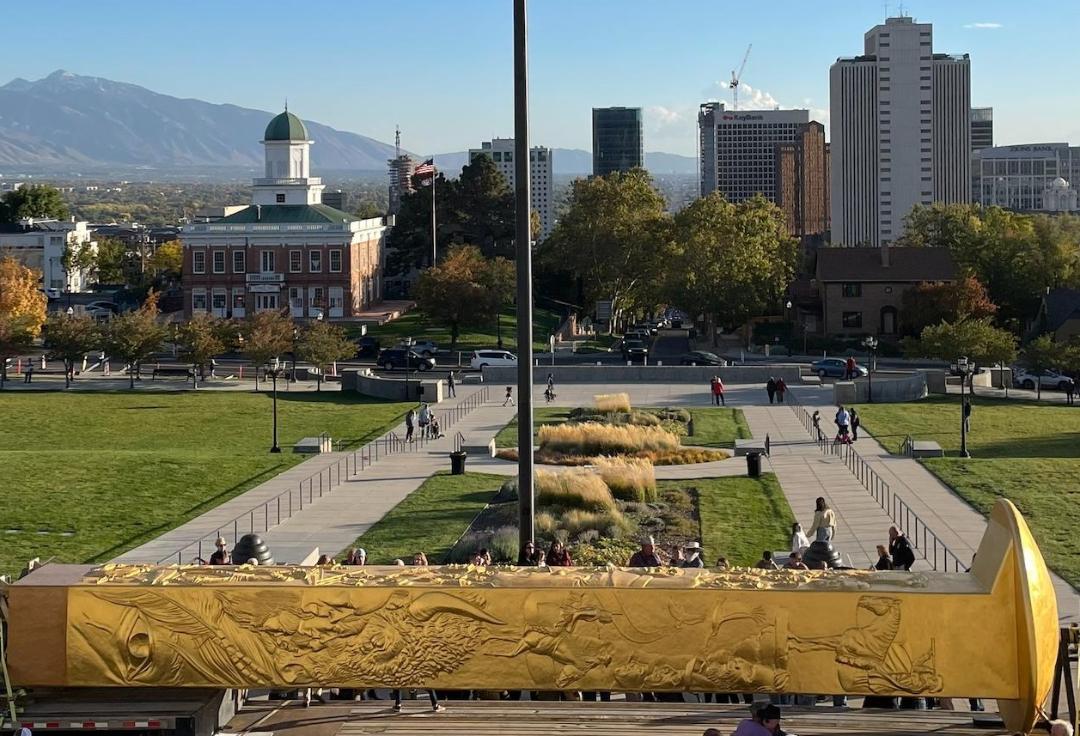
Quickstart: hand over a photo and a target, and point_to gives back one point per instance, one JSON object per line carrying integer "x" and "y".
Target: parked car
{"x": 635, "y": 350}
{"x": 834, "y": 368}
{"x": 427, "y": 348}
{"x": 701, "y": 357}
{"x": 392, "y": 358}
{"x": 482, "y": 358}
{"x": 102, "y": 306}
{"x": 637, "y": 333}
{"x": 367, "y": 347}
{"x": 51, "y": 293}
{"x": 1048, "y": 379}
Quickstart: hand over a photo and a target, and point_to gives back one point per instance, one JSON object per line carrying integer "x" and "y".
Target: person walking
{"x": 903, "y": 556}
{"x": 29, "y": 373}
{"x": 509, "y": 396}
{"x": 410, "y": 420}
{"x": 824, "y": 527}
{"x": 770, "y": 389}
{"x": 451, "y": 384}
{"x": 849, "y": 368}
{"x": 551, "y": 382}
{"x": 718, "y": 391}
{"x": 855, "y": 422}
{"x": 781, "y": 387}
{"x": 435, "y": 707}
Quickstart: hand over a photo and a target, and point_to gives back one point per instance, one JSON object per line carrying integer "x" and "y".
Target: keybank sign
{"x": 742, "y": 118}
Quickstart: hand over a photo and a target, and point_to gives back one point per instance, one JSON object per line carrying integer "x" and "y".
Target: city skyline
{"x": 450, "y": 87}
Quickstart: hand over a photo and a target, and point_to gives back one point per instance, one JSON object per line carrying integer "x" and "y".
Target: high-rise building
{"x": 738, "y": 149}
{"x": 617, "y": 143}
{"x": 541, "y": 190}
{"x": 1026, "y": 177}
{"x": 900, "y": 132}
{"x": 401, "y": 168}
{"x": 802, "y": 183}
{"x": 982, "y": 128}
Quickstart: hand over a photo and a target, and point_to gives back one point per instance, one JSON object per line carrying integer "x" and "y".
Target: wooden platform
{"x": 501, "y": 718}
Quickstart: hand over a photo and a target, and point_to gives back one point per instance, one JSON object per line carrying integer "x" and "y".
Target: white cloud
{"x": 749, "y": 97}
{"x": 984, "y": 26}
{"x": 659, "y": 116}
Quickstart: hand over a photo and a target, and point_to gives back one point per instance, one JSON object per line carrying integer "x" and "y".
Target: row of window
{"x": 218, "y": 300}
{"x": 267, "y": 261}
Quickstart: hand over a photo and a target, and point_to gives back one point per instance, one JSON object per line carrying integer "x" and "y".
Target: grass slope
{"x": 430, "y": 519}
{"x": 1024, "y": 451}
{"x": 417, "y": 325}
{"x": 740, "y": 516}
{"x": 89, "y": 475}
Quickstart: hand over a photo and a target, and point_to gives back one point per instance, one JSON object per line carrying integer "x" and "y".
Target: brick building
{"x": 287, "y": 247}
{"x": 802, "y": 182}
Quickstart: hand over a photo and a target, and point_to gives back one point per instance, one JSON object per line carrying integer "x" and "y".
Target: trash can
{"x": 753, "y": 464}
{"x": 457, "y": 462}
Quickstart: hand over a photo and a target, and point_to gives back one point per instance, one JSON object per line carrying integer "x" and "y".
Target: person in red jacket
{"x": 558, "y": 555}
{"x": 718, "y": 392}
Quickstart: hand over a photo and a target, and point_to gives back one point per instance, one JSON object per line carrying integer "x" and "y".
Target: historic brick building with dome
{"x": 287, "y": 248}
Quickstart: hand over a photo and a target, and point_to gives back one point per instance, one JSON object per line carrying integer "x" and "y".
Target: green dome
{"x": 286, "y": 127}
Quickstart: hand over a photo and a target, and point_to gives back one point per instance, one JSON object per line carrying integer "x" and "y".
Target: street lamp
{"x": 292, "y": 373}
{"x": 408, "y": 343}
{"x": 273, "y": 372}
{"x": 964, "y": 369}
{"x": 871, "y": 344}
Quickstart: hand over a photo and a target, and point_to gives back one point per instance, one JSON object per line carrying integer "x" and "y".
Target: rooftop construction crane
{"x": 736, "y": 76}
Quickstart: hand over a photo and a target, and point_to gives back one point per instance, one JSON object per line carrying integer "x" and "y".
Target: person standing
{"x": 221, "y": 555}
{"x": 849, "y": 368}
{"x": 843, "y": 426}
{"x": 855, "y": 422}
{"x": 646, "y": 556}
{"x": 824, "y": 527}
{"x": 558, "y": 555}
{"x": 410, "y": 420}
{"x": 451, "y": 383}
{"x": 770, "y": 389}
{"x": 718, "y": 391}
{"x": 29, "y": 371}
{"x": 799, "y": 540}
{"x": 423, "y": 419}
{"x": 676, "y": 558}
{"x": 509, "y": 396}
{"x": 816, "y": 418}
{"x": 903, "y": 556}
{"x": 781, "y": 387}
{"x": 692, "y": 555}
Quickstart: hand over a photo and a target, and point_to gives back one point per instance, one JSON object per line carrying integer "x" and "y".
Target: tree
{"x": 134, "y": 336}
{"x": 610, "y": 239}
{"x": 200, "y": 339}
{"x": 323, "y": 343}
{"x": 976, "y": 339}
{"x": 368, "y": 209}
{"x": 113, "y": 261}
{"x": 70, "y": 337}
{"x": 34, "y": 200}
{"x": 728, "y": 261}
{"x": 1042, "y": 354}
{"x": 167, "y": 261}
{"x": 267, "y": 335}
{"x": 22, "y": 310}
{"x": 930, "y": 303}
{"x": 465, "y": 289}
{"x": 482, "y": 208}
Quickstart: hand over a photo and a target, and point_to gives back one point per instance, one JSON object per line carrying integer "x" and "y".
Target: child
{"x": 509, "y": 396}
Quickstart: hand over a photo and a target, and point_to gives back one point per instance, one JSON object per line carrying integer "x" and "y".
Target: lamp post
{"x": 292, "y": 373}
{"x": 871, "y": 344}
{"x": 273, "y": 373}
{"x": 963, "y": 368}
{"x": 408, "y": 343}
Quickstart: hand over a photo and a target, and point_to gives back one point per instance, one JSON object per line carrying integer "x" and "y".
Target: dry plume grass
{"x": 573, "y": 489}
{"x": 612, "y": 403}
{"x": 590, "y": 438}
{"x": 682, "y": 456}
{"x": 630, "y": 479}
{"x": 609, "y": 523}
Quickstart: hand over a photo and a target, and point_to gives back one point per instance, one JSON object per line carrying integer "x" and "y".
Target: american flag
{"x": 425, "y": 169}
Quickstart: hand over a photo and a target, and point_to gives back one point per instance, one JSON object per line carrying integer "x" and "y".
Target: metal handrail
{"x": 459, "y": 441}
{"x": 286, "y": 504}
{"x": 933, "y": 550}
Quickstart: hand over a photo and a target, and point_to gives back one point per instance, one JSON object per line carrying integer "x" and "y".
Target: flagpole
{"x": 434, "y": 239}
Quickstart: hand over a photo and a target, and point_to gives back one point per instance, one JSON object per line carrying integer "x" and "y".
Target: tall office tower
{"x": 802, "y": 183}
{"x": 617, "y": 143}
{"x": 900, "y": 132}
{"x": 738, "y": 149}
{"x": 401, "y": 168}
{"x": 541, "y": 189}
{"x": 982, "y": 128}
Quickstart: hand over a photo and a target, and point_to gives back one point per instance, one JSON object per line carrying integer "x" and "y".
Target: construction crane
{"x": 736, "y": 76}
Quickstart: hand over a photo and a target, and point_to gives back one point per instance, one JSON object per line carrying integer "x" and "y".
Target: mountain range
{"x": 71, "y": 120}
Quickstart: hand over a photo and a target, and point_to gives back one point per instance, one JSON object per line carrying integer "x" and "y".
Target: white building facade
{"x": 900, "y": 131}
{"x": 541, "y": 192}
{"x": 286, "y": 249}
{"x": 1024, "y": 177}
{"x": 40, "y": 244}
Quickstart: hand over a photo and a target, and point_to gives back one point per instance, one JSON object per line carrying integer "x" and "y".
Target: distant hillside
{"x": 67, "y": 119}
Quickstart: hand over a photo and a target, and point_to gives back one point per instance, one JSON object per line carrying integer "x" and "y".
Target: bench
{"x": 926, "y": 448}
{"x": 167, "y": 371}
{"x": 745, "y": 447}
{"x": 470, "y": 378}
{"x": 811, "y": 379}
{"x": 313, "y": 445}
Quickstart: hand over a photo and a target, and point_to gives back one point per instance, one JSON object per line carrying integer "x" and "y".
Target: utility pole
{"x": 522, "y": 241}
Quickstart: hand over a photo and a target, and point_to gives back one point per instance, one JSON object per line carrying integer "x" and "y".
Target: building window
{"x": 279, "y": 198}
{"x": 335, "y": 261}
{"x": 296, "y": 263}
{"x": 198, "y": 300}
{"x": 851, "y": 320}
{"x": 198, "y": 263}
{"x": 237, "y": 299}
{"x": 239, "y": 261}
{"x": 315, "y": 261}
{"x": 219, "y": 261}
{"x": 851, "y": 291}
{"x": 219, "y": 300}
{"x": 267, "y": 261}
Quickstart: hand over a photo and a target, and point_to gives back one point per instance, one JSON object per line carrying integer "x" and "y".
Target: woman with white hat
{"x": 692, "y": 555}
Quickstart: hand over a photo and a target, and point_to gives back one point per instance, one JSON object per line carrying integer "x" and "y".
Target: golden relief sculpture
{"x": 457, "y": 627}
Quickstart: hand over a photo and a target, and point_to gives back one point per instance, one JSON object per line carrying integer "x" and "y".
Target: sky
{"x": 442, "y": 69}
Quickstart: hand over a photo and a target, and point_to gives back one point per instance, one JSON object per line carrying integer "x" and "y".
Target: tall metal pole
{"x": 434, "y": 237}
{"x": 522, "y": 241}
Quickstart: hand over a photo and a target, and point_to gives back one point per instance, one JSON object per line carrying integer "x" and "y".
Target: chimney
{"x": 885, "y": 255}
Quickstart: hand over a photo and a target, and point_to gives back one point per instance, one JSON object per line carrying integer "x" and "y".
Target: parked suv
{"x": 392, "y": 358}
{"x": 482, "y": 358}
{"x": 1048, "y": 379}
{"x": 834, "y": 368}
{"x": 635, "y": 350}
{"x": 422, "y": 347}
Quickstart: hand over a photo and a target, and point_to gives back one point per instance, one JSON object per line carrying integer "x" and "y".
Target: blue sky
{"x": 442, "y": 68}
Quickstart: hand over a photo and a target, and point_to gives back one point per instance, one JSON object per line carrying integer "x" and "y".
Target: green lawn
{"x": 417, "y": 325}
{"x": 740, "y": 516}
{"x": 430, "y": 519}
{"x": 1025, "y": 451}
{"x": 718, "y": 427}
{"x": 90, "y": 475}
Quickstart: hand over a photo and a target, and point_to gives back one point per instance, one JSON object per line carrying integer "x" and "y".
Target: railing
{"x": 320, "y": 483}
{"x": 907, "y": 447}
{"x": 933, "y": 550}
{"x": 459, "y": 441}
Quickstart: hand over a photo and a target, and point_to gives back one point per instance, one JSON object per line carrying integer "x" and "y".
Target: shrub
{"x": 469, "y": 544}
{"x": 573, "y": 489}
{"x": 508, "y": 491}
{"x": 588, "y": 537}
{"x": 606, "y": 439}
{"x": 609, "y": 523}
{"x": 643, "y": 419}
{"x": 604, "y": 552}
{"x": 610, "y": 403}
{"x": 544, "y": 523}
{"x": 503, "y": 545}
{"x": 630, "y": 479}
{"x": 674, "y": 415}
